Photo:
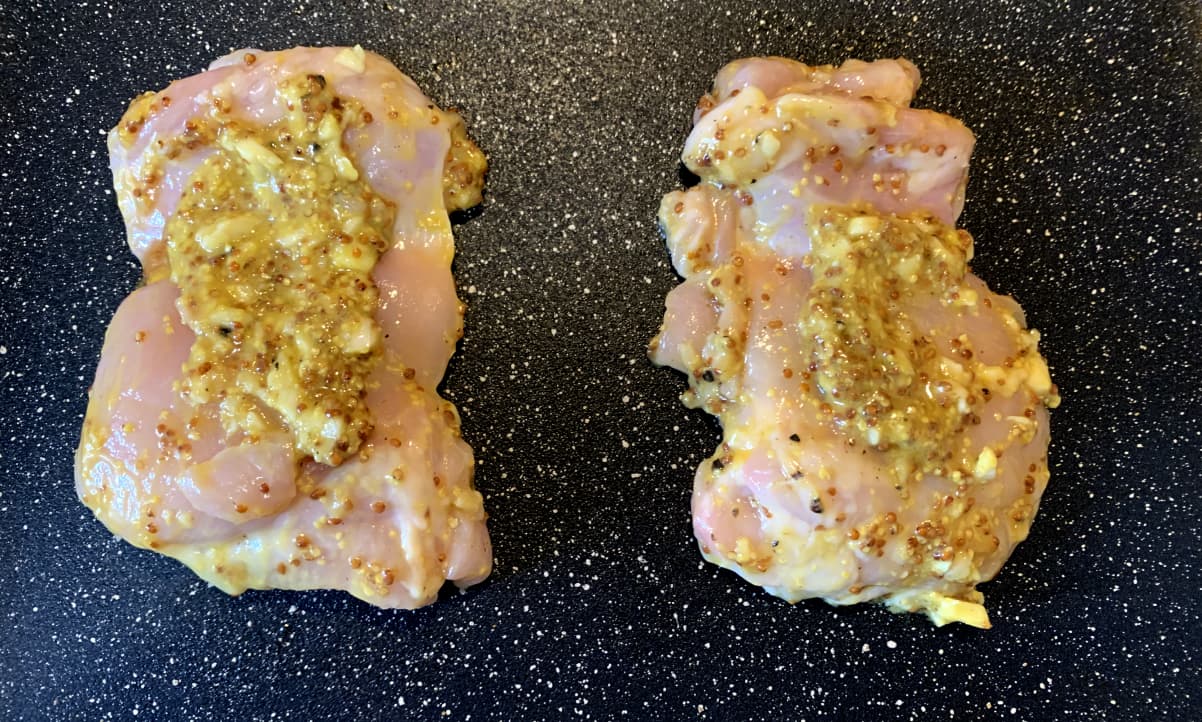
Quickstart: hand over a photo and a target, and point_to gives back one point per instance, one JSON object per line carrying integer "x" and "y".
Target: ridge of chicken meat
{"x": 264, "y": 409}
{"x": 884, "y": 414}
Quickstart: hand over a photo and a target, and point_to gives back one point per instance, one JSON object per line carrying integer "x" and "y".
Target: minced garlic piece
{"x": 273, "y": 247}
{"x": 986, "y": 466}
{"x": 353, "y": 58}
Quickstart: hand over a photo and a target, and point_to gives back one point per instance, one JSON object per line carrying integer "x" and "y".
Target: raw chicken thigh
{"x": 884, "y": 414}
{"x": 265, "y": 409}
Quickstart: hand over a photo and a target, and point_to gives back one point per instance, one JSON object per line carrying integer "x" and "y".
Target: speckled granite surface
{"x": 1085, "y": 204}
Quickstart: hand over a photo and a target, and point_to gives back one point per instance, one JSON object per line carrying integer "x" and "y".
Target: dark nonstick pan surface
{"x": 1086, "y": 203}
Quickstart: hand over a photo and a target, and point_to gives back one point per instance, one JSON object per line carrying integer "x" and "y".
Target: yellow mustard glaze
{"x": 272, "y": 247}
{"x": 879, "y": 377}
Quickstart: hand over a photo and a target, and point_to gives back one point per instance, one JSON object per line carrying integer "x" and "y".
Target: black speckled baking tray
{"x": 1085, "y": 204}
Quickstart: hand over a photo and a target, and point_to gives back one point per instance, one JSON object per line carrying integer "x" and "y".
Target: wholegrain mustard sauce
{"x": 272, "y": 247}
{"x": 878, "y": 376}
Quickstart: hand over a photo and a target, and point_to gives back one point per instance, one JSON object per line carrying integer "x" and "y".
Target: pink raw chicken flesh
{"x": 885, "y": 425}
{"x": 395, "y": 515}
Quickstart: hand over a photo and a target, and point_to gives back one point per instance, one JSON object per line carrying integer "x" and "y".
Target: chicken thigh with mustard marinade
{"x": 884, "y": 414}
{"x": 265, "y": 409}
